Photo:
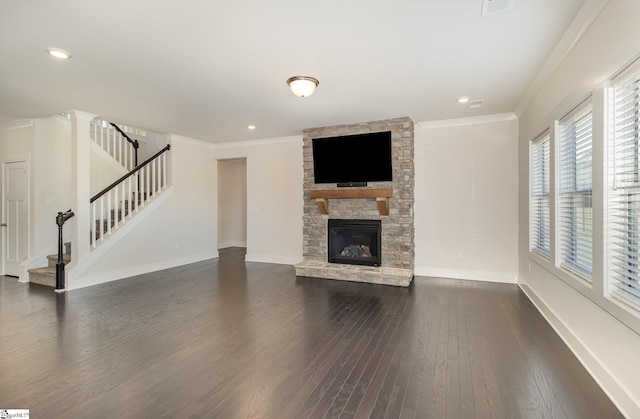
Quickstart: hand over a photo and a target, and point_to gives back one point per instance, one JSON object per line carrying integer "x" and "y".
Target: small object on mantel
{"x": 322, "y": 197}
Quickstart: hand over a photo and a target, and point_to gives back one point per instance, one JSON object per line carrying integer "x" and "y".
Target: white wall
{"x": 466, "y": 199}
{"x": 274, "y": 197}
{"x": 153, "y": 143}
{"x": 232, "y": 203}
{"x": 52, "y": 192}
{"x": 104, "y": 169}
{"x": 588, "y": 321}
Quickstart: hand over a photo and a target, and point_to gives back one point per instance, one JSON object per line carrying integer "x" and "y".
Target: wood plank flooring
{"x": 229, "y": 339}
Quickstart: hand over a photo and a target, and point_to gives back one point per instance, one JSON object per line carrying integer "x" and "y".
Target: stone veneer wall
{"x": 397, "y": 228}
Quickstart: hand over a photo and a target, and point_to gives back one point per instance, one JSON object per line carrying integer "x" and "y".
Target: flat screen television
{"x": 353, "y": 160}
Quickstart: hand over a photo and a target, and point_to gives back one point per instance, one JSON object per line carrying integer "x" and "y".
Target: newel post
{"x": 61, "y": 218}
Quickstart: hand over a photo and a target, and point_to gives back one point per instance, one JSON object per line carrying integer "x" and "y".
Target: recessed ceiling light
{"x": 463, "y": 99}
{"x": 252, "y": 127}
{"x": 59, "y": 53}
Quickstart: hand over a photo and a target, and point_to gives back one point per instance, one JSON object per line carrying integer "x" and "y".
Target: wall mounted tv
{"x": 352, "y": 160}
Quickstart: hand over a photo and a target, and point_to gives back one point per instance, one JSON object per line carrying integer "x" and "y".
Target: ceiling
{"x": 206, "y": 69}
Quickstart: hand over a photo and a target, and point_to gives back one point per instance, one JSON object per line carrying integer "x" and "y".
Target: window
{"x": 539, "y": 221}
{"x": 574, "y": 217}
{"x": 624, "y": 195}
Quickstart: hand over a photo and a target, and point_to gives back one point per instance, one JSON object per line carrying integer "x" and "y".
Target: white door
{"x": 14, "y": 215}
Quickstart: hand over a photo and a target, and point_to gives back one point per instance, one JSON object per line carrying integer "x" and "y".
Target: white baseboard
{"x": 281, "y": 260}
{"x": 629, "y": 407}
{"x": 224, "y": 245}
{"x": 130, "y": 271}
{"x": 502, "y": 277}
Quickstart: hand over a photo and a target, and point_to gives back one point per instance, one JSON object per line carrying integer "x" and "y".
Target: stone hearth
{"x": 397, "y": 227}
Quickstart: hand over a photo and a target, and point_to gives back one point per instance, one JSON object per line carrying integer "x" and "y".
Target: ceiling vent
{"x": 473, "y": 104}
{"x": 492, "y": 7}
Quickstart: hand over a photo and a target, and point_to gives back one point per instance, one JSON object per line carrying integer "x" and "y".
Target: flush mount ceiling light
{"x": 302, "y": 86}
{"x": 463, "y": 100}
{"x": 59, "y": 53}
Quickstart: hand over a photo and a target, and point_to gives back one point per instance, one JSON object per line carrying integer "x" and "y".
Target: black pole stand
{"x": 61, "y": 218}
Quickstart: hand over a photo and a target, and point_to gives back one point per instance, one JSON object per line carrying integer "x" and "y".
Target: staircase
{"x": 47, "y": 275}
{"x": 116, "y": 204}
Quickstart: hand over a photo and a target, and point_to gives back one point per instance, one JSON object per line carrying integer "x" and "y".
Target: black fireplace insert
{"x": 355, "y": 242}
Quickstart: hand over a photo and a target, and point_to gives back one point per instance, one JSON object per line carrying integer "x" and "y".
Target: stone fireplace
{"x": 387, "y": 204}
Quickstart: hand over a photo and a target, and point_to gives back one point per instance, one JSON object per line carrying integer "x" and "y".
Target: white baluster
{"x": 117, "y": 215}
{"x": 109, "y": 213}
{"x": 92, "y": 219}
{"x": 137, "y": 186}
{"x": 164, "y": 169}
{"x": 130, "y": 194}
{"x": 123, "y": 206}
{"x": 143, "y": 185}
{"x": 153, "y": 177}
{"x": 148, "y": 177}
{"x": 125, "y": 159}
{"x": 118, "y": 137}
{"x": 101, "y": 221}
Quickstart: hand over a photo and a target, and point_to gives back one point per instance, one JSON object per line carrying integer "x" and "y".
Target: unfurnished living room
{"x": 408, "y": 209}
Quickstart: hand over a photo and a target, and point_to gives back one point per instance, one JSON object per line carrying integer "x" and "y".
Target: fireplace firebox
{"x": 354, "y": 242}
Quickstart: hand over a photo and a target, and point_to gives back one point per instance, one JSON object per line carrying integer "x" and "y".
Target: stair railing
{"x": 61, "y": 218}
{"x": 112, "y": 139}
{"x": 118, "y": 202}
{"x": 134, "y": 143}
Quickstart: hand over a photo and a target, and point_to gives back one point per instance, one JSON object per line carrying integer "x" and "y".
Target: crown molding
{"x": 485, "y": 119}
{"x": 18, "y": 123}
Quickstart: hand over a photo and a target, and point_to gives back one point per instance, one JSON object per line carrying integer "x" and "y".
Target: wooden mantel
{"x": 322, "y": 197}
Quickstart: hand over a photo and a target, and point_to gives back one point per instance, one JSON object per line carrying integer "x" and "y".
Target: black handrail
{"x": 133, "y": 142}
{"x": 117, "y": 182}
{"x": 61, "y": 218}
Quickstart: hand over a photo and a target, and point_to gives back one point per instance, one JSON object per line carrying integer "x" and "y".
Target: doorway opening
{"x": 232, "y": 203}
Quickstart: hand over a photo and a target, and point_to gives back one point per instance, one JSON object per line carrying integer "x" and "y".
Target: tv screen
{"x": 352, "y": 158}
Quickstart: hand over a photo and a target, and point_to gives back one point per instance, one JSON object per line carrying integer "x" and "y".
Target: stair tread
{"x": 43, "y": 276}
{"x": 53, "y": 259}
{"x": 66, "y": 257}
{"x": 43, "y": 271}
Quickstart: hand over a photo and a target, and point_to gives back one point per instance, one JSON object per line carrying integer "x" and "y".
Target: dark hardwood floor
{"x": 229, "y": 339}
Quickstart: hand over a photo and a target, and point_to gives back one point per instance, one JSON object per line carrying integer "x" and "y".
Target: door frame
{"x": 14, "y": 158}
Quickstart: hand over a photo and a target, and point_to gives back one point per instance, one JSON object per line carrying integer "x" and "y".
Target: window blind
{"x": 539, "y": 220}
{"x": 624, "y": 198}
{"x": 575, "y": 210}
